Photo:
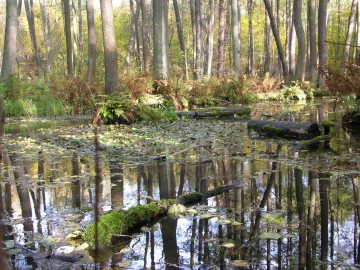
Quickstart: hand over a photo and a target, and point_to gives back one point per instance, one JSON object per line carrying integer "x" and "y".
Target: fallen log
{"x": 289, "y": 130}
{"x": 216, "y": 112}
{"x": 313, "y": 144}
{"x": 122, "y": 221}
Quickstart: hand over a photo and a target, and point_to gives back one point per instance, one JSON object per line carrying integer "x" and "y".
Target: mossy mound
{"x": 119, "y": 222}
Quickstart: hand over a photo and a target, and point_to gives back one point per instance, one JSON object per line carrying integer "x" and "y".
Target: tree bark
{"x": 322, "y": 24}
{"x": 300, "y": 64}
{"x": 110, "y": 50}
{"x": 299, "y": 190}
{"x": 67, "y": 29}
{"x": 267, "y": 33}
{"x": 251, "y": 38}
{"x": 161, "y": 39}
{"x": 181, "y": 37}
{"x": 75, "y": 38}
{"x": 312, "y": 38}
{"x": 235, "y": 37}
{"x": 277, "y": 38}
{"x": 134, "y": 41}
{"x": 9, "y": 55}
{"x": 31, "y": 22}
{"x": 349, "y": 34}
{"x": 91, "y": 41}
{"x": 210, "y": 40}
{"x": 221, "y": 38}
{"x": 46, "y": 30}
{"x": 145, "y": 36}
{"x": 199, "y": 62}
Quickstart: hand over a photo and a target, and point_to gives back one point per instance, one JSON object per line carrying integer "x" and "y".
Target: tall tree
{"x": 91, "y": 41}
{"x": 199, "y": 60}
{"x": 9, "y": 55}
{"x": 322, "y": 29}
{"x": 67, "y": 27}
{"x": 221, "y": 38}
{"x": 235, "y": 37}
{"x": 210, "y": 40}
{"x": 312, "y": 37}
{"x": 300, "y": 64}
{"x": 161, "y": 62}
{"x": 357, "y": 56}
{"x": 181, "y": 36}
{"x": 46, "y": 29}
{"x": 134, "y": 41}
{"x": 31, "y": 22}
{"x": 267, "y": 44}
{"x": 350, "y": 31}
{"x": 110, "y": 50}
{"x": 277, "y": 37}
{"x": 145, "y": 36}
{"x": 251, "y": 38}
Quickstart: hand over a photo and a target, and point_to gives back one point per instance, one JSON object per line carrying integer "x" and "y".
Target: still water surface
{"x": 294, "y": 210}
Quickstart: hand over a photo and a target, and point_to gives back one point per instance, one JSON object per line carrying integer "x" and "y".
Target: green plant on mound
{"x": 121, "y": 109}
{"x": 231, "y": 89}
{"x": 297, "y": 91}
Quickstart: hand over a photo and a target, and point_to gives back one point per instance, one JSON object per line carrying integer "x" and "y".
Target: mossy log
{"x": 313, "y": 144}
{"x": 122, "y": 221}
{"x": 216, "y": 112}
{"x": 289, "y": 130}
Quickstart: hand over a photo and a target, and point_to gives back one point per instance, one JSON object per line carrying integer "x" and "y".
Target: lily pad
{"x": 192, "y": 211}
{"x": 124, "y": 250}
{"x": 236, "y": 223}
{"x": 239, "y": 263}
{"x": 207, "y": 216}
{"x": 123, "y": 264}
{"x": 224, "y": 221}
{"x": 228, "y": 245}
{"x": 270, "y": 235}
{"x": 288, "y": 235}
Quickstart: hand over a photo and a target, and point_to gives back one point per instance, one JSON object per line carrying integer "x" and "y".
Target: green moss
{"x": 329, "y": 127}
{"x": 118, "y": 222}
{"x": 272, "y": 130}
{"x": 190, "y": 197}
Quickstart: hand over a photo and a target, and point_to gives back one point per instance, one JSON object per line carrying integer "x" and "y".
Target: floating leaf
{"x": 176, "y": 209}
{"x": 192, "y": 211}
{"x": 207, "y": 216}
{"x": 123, "y": 264}
{"x": 288, "y": 235}
{"x": 124, "y": 250}
{"x": 65, "y": 250}
{"x": 239, "y": 263}
{"x": 228, "y": 244}
{"x": 270, "y": 235}
{"x": 224, "y": 221}
{"x": 236, "y": 223}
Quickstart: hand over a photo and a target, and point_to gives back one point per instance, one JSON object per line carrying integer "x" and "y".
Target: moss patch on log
{"x": 118, "y": 222}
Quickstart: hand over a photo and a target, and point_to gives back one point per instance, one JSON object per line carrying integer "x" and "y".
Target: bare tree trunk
{"x": 210, "y": 40}
{"x": 69, "y": 50}
{"x": 267, "y": 33}
{"x": 235, "y": 37}
{"x": 133, "y": 43}
{"x": 91, "y": 41}
{"x": 251, "y": 38}
{"x": 322, "y": 24}
{"x": 349, "y": 34}
{"x": 110, "y": 50}
{"x": 277, "y": 38}
{"x": 46, "y": 30}
{"x": 181, "y": 37}
{"x": 288, "y": 34}
{"x": 161, "y": 39}
{"x": 221, "y": 38}
{"x": 312, "y": 38}
{"x": 81, "y": 38}
{"x": 338, "y": 36}
{"x": 199, "y": 63}
{"x": 145, "y": 36}
{"x": 357, "y": 56}
{"x": 75, "y": 38}
{"x": 9, "y": 56}
{"x": 30, "y": 18}
{"x": 300, "y": 64}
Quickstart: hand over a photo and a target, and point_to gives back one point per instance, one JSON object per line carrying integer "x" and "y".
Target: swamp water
{"x": 291, "y": 210}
